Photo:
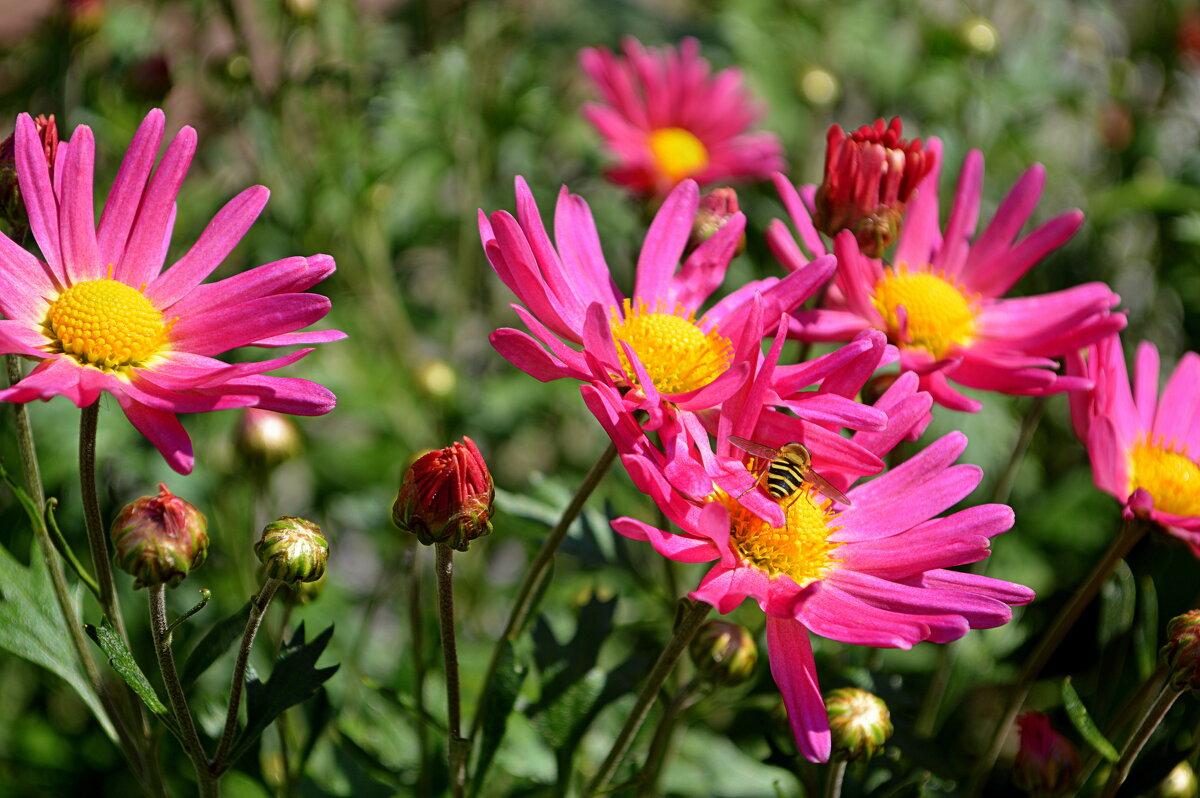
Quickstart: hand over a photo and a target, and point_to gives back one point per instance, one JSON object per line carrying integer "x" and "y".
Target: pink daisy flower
{"x": 1145, "y": 449}
{"x": 940, "y": 299}
{"x": 874, "y": 574}
{"x": 665, "y": 118}
{"x": 650, "y": 344}
{"x": 100, "y": 313}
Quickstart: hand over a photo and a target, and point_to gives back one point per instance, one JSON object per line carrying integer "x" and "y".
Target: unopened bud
{"x": 293, "y": 550}
{"x": 724, "y": 653}
{"x": 12, "y": 209}
{"x": 859, "y": 723}
{"x": 1179, "y": 783}
{"x": 159, "y": 539}
{"x": 446, "y": 497}
{"x": 266, "y": 438}
{"x": 870, "y": 176}
{"x": 716, "y": 208}
{"x": 1047, "y": 763}
{"x": 1182, "y": 651}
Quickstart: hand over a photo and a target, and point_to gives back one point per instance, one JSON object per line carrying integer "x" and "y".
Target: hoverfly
{"x": 790, "y": 467}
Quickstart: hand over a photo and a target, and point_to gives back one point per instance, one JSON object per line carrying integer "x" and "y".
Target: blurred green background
{"x": 380, "y": 128}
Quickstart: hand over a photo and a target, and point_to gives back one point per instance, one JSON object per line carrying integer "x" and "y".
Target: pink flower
{"x": 872, "y": 574}
{"x": 1145, "y": 449}
{"x": 1047, "y": 763}
{"x": 940, "y": 300}
{"x": 101, "y": 314}
{"x": 650, "y": 344}
{"x": 665, "y": 118}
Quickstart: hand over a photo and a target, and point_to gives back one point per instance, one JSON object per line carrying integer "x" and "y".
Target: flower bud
{"x": 159, "y": 539}
{"x": 870, "y": 176}
{"x": 12, "y": 209}
{"x": 446, "y": 497}
{"x": 859, "y": 723}
{"x": 1046, "y": 763}
{"x": 1180, "y": 783}
{"x": 1182, "y": 650}
{"x": 293, "y": 550}
{"x": 716, "y": 208}
{"x": 724, "y": 653}
{"x": 266, "y": 438}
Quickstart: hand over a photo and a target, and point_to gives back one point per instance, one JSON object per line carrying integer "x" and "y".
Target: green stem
{"x": 258, "y": 606}
{"x": 1136, "y": 707}
{"x": 1131, "y": 532}
{"x": 60, "y": 543}
{"x": 179, "y": 707}
{"x": 459, "y": 749}
{"x": 417, "y": 643}
{"x": 660, "y": 744}
{"x": 833, "y": 783}
{"x": 686, "y": 625}
{"x": 1138, "y": 737}
{"x": 538, "y": 572}
{"x": 97, "y": 540}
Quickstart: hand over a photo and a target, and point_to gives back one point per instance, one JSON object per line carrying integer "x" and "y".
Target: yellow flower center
{"x": 939, "y": 314}
{"x": 674, "y": 349}
{"x": 678, "y": 153}
{"x": 799, "y": 549}
{"x": 106, "y": 324}
{"x": 1171, "y": 477}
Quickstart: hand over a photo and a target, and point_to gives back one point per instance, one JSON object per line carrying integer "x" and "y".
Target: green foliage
{"x": 122, "y": 661}
{"x": 1083, "y": 722}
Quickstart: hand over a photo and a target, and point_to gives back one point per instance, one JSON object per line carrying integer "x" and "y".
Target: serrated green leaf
{"x": 33, "y": 628}
{"x": 215, "y": 642}
{"x": 497, "y": 705}
{"x": 1083, "y": 723}
{"x": 293, "y": 679}
{"x": 557, "y": 722}
{"x": 122, "y": 661}
{"x": 1118, "y": 598}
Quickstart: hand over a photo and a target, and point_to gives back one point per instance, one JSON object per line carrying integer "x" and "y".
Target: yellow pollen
{"x": 106, "y": 324}
{"x": 800, "y": 549}
{"x": 1171, "y": 477}
{"x": 940, "y": 316}
{"x": 677, "y": 354}
{"x": 678, "y": 153}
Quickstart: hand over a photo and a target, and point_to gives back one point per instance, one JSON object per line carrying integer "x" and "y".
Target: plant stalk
{"x": 459, "y": 749}
{"x": 97, "y": 540}
{"x": 833, "y": 783}
{"x": 1140, "y": 735}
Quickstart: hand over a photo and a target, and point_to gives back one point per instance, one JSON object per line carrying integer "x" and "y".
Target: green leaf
{"x": 122, "y": 661}
{"x": 1118, "y": 597}
{"x": 293, "y": 679}
{"x": 1083, "y": 722}
{"x": 1145, "y": 633}
{"x": 33, "y": 628}
{"x": 216, "y": 641}
{"x": 496, "y": 707}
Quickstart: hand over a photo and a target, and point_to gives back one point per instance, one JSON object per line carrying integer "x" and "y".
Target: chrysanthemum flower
{"x": 940, "y": 299}
{"x": 651, "y": 343}
{"x": 100, "y": 313}
{"x": 873, "y": 574}
{"x": 665, "y": 118}
{"x": 1145, "y": 449}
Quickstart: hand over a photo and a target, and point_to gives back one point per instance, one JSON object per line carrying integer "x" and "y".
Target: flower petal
{"x": 795, "y": 672}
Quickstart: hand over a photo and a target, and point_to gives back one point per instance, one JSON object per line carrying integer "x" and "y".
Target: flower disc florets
{"x": 446, "y": 497}
{"x": 159, "y": 539}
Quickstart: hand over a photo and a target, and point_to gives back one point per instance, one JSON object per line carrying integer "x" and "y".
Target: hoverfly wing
{"x": 830, "y": 492}
{"x": 756, "y": 449}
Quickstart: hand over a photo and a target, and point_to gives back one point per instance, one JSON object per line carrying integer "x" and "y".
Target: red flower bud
{"x": 1047, "y": 763}
{"x": 716, "y": 208}
{"x": 870, "y": 176}
{"x": 446, "y": 497}
{"x": 160, "y": 539}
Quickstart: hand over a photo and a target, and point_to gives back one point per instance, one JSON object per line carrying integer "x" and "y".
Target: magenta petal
{"x": 18, "y": 338}
{"x": 25, "y": 283}
{"x": 948, "y": 614}
{"x": 681, "y": 548}
{"x": 301, "y": 338}
{"x": 964, "y": 213}
{"x": 287, "y": 276}
{"x": 668, "y": 235}
{"x": 126, "y": 195}
{"x": 1145, "y": 384}
{"x": 527, "y": 354}
{"x": 795, "y": 672}
{"x": 1009, "y": 592}
{"x": 832, "y": 612}
{"x": 55, "y": 376}
{"x": 238, "y": 325}
{"x": 164, "y": 431}
{"x": 1180, "y": 404}
{"x": 143, "y": 256}
{"x": 703, "y": 271}
{"x": 291, "y": 395}
{"x": 76, "y": 213}
{"x": 41, "y": 203}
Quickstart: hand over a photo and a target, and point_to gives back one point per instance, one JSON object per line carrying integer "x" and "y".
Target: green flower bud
{"x": 1047, "y": 763}
{"x": 266, "y": 438}
{"x": 293, "y": 550}
{"x": 446, "y": 497}
{"x": 724, "y": 653}
{"x": 1182, "y": 651}
{"x": 159, "y": 539}
{"x": 1179, "y": 783}
{"x": 859, "y": 723}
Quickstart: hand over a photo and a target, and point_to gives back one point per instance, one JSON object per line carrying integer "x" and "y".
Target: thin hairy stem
{"x": 97, "y": 540}
{"x": 459, "y": 748}
{"x": 833, "y": 783}
{"x": 1141, "y": 733}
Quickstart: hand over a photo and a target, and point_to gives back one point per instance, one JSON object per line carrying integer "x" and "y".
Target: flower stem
{"x": 417, "y": 644}
{"x": 687, "y": 623}
{"x": 660, "y": 744}
{"x": 1131, "y": 532}
{"x": 530, "y": 591}
{"x": 258, "y": 606}
{"x": 833, "y": 783}
{"x": 459, "y": 748}
{"x": 1138, "y": 737}
{"x": 97, "y": 540}
{"x": 179, "y": 707}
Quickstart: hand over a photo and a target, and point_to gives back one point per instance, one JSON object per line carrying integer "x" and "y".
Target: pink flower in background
{"x": 100, "y": 313}
{"x": 650, "y": 344}
{"x": 941, "y": 297}
{"x": 666, "y": 118}
{"x": 1145, "y": 448}
{"x": 872, "y": 574}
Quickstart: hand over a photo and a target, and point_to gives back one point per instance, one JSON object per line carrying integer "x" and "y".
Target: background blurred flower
{"x": 101, "y": 314}
{"x": 940, "y": 299}
{"x": 665, "y": 118}
{"x": 1143, "y": 446}
{"x": 1047, "y": 763}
